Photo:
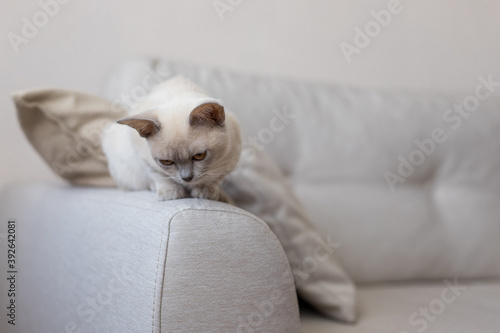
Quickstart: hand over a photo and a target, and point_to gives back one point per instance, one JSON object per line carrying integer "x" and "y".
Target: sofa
{"x": 406, "y": 185}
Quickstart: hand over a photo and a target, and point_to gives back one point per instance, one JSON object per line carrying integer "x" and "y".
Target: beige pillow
{"x": 65, "y": 127}
{"x": 259, "y": 186}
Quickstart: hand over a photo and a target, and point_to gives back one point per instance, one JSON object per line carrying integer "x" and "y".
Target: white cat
{"x": 179, "y": 142}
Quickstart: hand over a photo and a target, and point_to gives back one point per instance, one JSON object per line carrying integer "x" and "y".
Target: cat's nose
{"x": 187, "y": 179}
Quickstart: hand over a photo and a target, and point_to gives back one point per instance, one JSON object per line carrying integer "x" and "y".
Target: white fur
{"x": 129, "y": 155}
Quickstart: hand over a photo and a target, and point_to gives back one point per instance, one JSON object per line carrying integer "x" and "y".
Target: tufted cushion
{"x": 408, "y": 186}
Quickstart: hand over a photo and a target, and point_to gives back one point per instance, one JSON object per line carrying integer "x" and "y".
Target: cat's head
{"x": 190, "y": 148}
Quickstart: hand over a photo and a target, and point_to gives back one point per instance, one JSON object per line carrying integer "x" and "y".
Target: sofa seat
{"x": 431, "y": 307}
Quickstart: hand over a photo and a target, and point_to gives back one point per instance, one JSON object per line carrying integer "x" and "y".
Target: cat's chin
{"x": 188, "y": 185}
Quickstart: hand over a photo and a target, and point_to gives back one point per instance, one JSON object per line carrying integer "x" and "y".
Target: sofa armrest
{"x": 103, "y": 260}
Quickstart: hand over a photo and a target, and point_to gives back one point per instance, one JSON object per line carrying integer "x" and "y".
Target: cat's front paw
{"x": 206, "y": 192}
{"x": 170, "y": 193}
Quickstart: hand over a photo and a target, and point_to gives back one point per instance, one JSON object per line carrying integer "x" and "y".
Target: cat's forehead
{"x": 177, "y": 144}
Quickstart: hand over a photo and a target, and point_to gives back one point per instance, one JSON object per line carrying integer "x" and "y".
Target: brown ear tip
{"x": 125, "y": 121}
{"x": 207, "y": 113}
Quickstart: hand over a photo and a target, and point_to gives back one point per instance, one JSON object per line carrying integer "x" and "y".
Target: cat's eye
{"x": 199, "y": 157}
{"x": 166, "y": 162}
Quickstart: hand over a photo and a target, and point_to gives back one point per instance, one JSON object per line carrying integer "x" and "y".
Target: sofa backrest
{"x": 408, "y": 185}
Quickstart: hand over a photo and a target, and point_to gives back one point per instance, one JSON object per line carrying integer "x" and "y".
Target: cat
{"x": 179, "y": 142}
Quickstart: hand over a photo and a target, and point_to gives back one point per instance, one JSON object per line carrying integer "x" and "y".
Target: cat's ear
{"x": 146, "y": 123}
{"x": 207, "y": 114}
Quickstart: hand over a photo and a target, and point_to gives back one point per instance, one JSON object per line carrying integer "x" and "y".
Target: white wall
{"x": 431, "y": 44}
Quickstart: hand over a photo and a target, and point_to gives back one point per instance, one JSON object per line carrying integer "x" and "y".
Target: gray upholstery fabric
{"x": 218, "y": 278}
{"x": 72, "y": 277}
{"x": 431, "y": 307}
{"x": 103, "y": 260}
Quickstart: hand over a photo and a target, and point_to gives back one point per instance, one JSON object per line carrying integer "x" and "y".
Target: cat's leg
{"x": 169, "y": 191}
{"x": 126, "y": 169}
{"x": 166, "y": 189}
{"x": 211, "y": 192}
